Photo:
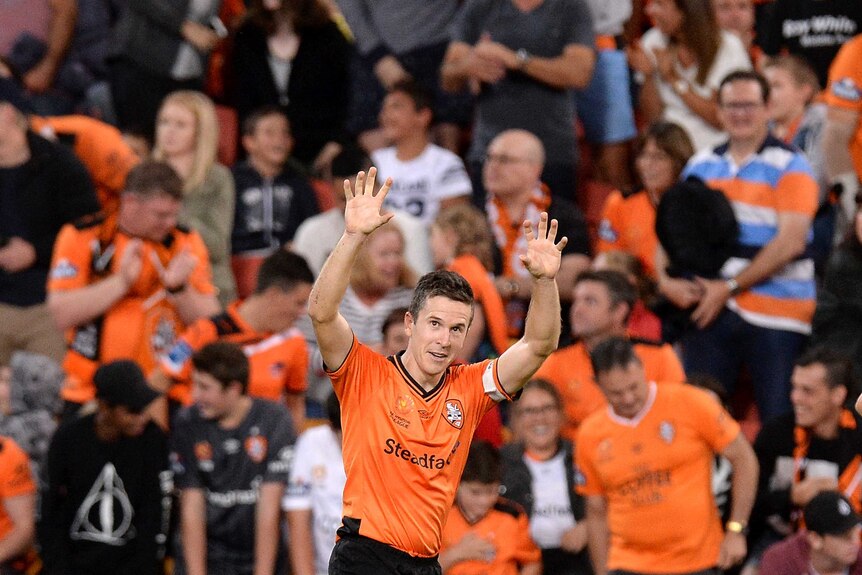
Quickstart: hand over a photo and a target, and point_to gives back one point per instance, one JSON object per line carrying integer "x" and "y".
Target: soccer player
{"x": 408, "y": 421}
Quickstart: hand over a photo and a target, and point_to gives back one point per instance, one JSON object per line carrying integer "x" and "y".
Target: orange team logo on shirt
{"x": 666, "y": 432}
{"x": 255, "y": 447}
{"x": 454, "y": 413}
{"x": 203, "y": 451}
{"x": 404, "y": 404}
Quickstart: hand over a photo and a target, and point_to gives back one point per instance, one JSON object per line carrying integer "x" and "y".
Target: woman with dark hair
{"x": 628, "y": 220}
{"x": 837, "y": 321}
{"x": 681, "y": 62}
{"x": 290, "y": 53}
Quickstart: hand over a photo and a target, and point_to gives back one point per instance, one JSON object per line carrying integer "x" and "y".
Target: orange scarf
{"x": 509, "y": 234}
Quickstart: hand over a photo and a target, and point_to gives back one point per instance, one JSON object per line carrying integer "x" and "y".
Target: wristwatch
{"x": 733, "y": 286}
{"x": 522, "y": 57}
{"x": 740, "y": 527}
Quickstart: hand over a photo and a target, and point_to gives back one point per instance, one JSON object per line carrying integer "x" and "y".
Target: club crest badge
{"x": 454, "y": 413}
{"x": 666, "y": 431}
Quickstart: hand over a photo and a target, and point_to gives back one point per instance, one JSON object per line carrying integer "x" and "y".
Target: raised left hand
{"x": 543, "y": 256}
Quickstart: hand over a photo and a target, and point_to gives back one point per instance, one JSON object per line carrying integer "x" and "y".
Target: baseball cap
{"x": 122, "y": 382}
{"x": 830, "y": 513}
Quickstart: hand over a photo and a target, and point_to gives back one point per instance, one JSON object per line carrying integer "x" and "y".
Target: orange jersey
{"x": 15, "y": 478}
{"x": 654, "y": 470}
{"x": 507, "y": 527}
{"x": 628, "y": 224}
{"x": 485, "y": 293}
{"x": 845, "y": 91}
{"x": 144, "y": 323}
{"x": 101, "y": 149}
{"x": 404, "y": 447}
{"x": 571, "y": 372}
{"x": 278, "y": 362}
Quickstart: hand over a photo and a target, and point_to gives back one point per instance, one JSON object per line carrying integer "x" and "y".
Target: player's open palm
{"x": 544, "y": 253}
{"x": 362, "y": 214}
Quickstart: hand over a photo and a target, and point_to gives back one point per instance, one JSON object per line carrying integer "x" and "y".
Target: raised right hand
{"x": 362, "y": 213}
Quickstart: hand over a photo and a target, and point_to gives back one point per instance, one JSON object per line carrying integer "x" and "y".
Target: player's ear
{"x": 408, "y": 323}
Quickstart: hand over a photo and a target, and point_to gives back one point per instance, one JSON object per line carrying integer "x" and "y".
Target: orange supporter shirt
{"x": 142, "y": 325}
{"x": 15, "y": 479}
{"x": 278, "y": 362}
{"x": 844, "y": 90}
{"x": 655, "y": 472}
{"x": 405, "y": 448}
{"x": 506, "y": 527}
{"x": 571, "y": 372}
{"x": 101, "y": 149}
{"x": 486, "y": 295}
{"x": 628, "y": 224}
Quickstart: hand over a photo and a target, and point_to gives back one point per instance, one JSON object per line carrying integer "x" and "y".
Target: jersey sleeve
{"x": 610, "y": 226}
{"x": 297, "y": 496}
{"x": 586, "y": 477}
{"x": 296, "y": 376}
{"x": 671, "y": 367}
{"x": 453, "y": 181}
{"x": 797, "y": 190}
{"x": 709, "y": 418}
{"x": 201, "y": 278}
{"x": 184, "y": 461}
{"x": 280, "y": 452}
{"x": 526, "y": 551}
{"x": 15, "y": 476}
{"x": 360, "y": 369}
{"x": 71, "y": 261}
{"x": 844, "y": 89}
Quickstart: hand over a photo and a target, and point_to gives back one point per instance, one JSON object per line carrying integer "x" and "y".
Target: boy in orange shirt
{"x": 485, "y": 533}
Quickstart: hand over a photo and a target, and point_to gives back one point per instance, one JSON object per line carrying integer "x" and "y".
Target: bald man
{"x": 511, "y": 174}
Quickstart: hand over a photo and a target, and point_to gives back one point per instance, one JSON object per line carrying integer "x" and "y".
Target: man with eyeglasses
{"x": 758, "y": 312}
{"x": 511, "y": 174}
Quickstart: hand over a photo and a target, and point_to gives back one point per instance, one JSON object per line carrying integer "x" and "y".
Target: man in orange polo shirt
{"x": 262, "y": 325}
{"x": 17, "y": 509}
{"x": 645, "y": 469}
{"x": 125, "y": 286}
{"x": 601, "y": 304}
{"x": 842, "y": 137}
{"x": 408, "y": 420}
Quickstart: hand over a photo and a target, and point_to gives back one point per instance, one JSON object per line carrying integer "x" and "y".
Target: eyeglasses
{"x": 743, "y": 107}
{"x": 504, "y": 159}
{"x": 541, "y": 410}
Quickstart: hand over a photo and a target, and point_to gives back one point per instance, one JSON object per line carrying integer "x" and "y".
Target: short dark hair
{"x": 620, "y": 289}
{"x": 483, "y": 464}
{"x": 839, "y": 367}
{"x": 226, "y": 362}
{"x": 540, "y": 384}
{"x": 152, "y": 178}
{"x": 396, "y": 316}
{"x": 613, "y": 353}
{"x": 422, "y": 98}
{"x": 745, "y": 76}
{"x": 249, "y": 125}
{"x": 284, "y": 270}
{"x": 440, "y": 283}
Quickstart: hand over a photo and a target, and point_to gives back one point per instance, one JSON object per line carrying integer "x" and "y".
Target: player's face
{"x": 176, "y": 130}
{"x": 436, "y": 335}
{"x": 400, "y": 118}
{"x": 386, "y": 257}
{"x": 786, "y": 98}
{"x": 841, "y": 550}
{"x": 592, "y": 314}
{"x": 655, "y": 168}
{"x": 286, "y": 306}
{"x": 214, "y": 401}
{"x": 476, "y": 499}
{"x": 626, "y": 389}
{"x": 814, "y": 402}
{"x": 539, "y": 419}
{"x": 271, "y": 141}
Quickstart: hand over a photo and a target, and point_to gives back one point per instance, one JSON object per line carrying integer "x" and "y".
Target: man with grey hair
{"x": 511, "y": 172}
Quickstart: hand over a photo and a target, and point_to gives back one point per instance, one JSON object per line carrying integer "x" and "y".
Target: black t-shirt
{"x": 812, "y": 29}
{"x": 104, "y": 504}
{"x": 230, "y": 465}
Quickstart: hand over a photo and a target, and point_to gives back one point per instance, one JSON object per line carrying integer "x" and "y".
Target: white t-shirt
{"x": 552, "y": 507}
{"x": 317, "y": 482}
{"x": 421, "y": 184}
{"x": 731, "y": 56}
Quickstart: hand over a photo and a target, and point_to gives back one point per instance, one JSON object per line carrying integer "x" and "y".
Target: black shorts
{"x": 358, "y": 555}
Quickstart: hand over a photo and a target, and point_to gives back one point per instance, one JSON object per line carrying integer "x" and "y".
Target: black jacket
{"x": 53, "y": 189}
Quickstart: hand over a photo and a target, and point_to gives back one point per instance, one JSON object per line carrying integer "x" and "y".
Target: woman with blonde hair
{"x": 461, "y": 242}
{"x": 380, "y": 282}
{"x": 187, "y": 139}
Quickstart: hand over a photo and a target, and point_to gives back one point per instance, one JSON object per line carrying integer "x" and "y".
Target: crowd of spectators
{"x": 171, "y": 183}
